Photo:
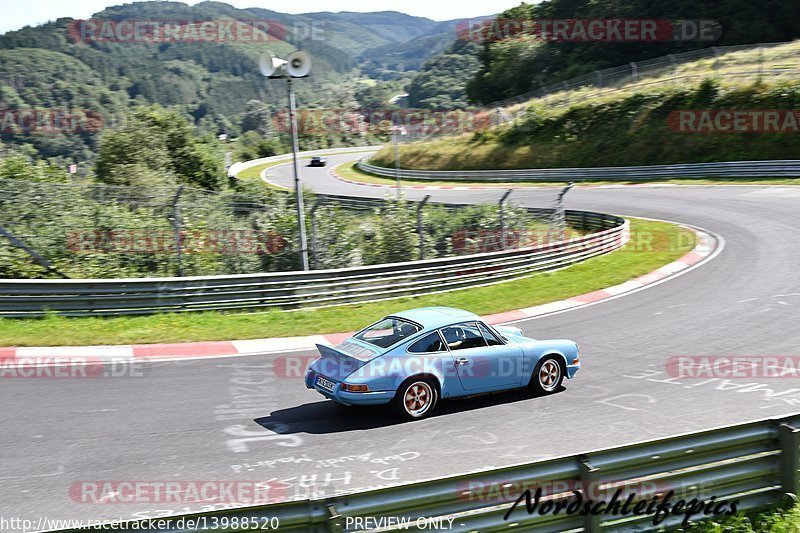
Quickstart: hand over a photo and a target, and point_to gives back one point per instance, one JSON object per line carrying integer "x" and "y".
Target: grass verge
{"x": 779, "y": 520}
{"x": 254, "y": 173}
{"x": 351, "y": 172}
{"x": 639, "y": 257}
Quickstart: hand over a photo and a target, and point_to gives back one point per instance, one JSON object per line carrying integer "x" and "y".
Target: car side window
{"x": 428, "y": 344}
{"x": 463, "y": 336}
{"x": 490, "y": 337}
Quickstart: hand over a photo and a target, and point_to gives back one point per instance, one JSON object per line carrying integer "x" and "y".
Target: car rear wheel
{"x": 548, "y": 376}
{"x": 415, "y": 399}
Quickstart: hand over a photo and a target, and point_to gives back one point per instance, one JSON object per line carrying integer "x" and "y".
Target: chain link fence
{"x": 68, "y": 230}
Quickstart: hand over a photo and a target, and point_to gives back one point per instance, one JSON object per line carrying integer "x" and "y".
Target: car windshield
{"x": 388, "y": 332}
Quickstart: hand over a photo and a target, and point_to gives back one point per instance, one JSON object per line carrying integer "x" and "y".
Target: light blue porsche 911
{"x": 414, "y": 358}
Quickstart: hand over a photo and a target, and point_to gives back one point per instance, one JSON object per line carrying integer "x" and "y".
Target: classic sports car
{"x": 414, "y": 358}
{"x": 318, "y": 162}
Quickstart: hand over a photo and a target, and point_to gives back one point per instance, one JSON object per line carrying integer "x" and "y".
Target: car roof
{"x": 436, "y": 317}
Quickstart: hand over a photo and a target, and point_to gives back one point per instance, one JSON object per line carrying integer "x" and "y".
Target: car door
{"x": 483, "y": 362}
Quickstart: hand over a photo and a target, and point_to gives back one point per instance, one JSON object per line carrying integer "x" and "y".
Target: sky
{"x": 16, "y": 13}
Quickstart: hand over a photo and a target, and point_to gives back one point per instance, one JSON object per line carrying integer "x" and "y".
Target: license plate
{"x": 326, "y": 384}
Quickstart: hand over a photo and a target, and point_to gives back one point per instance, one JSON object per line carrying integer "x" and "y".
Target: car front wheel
{"x": 415, "y": 399}
{"x": 548, "y": 376}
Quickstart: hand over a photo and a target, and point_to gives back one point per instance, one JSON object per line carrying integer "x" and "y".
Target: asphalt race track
{"x": 234, "y": 419}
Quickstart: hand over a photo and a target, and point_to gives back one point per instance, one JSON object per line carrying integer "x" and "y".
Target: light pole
{"x": 396, "y": 132}
{"x": 298, "y": 65}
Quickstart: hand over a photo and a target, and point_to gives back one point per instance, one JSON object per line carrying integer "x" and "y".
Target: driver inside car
{"x": 454, "y": 337}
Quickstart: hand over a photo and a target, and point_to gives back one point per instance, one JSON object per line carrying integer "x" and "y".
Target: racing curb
{"x": 706, "y": 247}
{"x": 339, "y": 177}
{"x": 550, "y": 185}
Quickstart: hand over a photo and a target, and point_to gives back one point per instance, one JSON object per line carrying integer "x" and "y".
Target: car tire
{"x": 416, "y": 399}
{"x": 548, "y": 376}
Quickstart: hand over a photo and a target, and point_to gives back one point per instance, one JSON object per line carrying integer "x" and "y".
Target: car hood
{"x": 513, "y": 334}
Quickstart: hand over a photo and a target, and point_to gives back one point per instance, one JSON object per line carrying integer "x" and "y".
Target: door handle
{"x": 463, "y": 361}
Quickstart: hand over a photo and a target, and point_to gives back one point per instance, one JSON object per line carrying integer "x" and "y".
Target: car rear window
{"x": 388, "y": 332}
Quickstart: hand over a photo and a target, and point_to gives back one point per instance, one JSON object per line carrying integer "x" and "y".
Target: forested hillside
{"x": 509, "y": 67}
{"x": 214, "y": 85}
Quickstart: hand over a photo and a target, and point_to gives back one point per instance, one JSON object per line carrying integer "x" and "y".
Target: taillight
{"x": 354, "y": 388}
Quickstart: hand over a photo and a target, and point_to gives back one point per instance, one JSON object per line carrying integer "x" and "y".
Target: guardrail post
{"x": 420, "y": 228}
{"x": 501, "y": 205}
{"x": 591, "y": 522}
{"x": 175, "y": 220}
{"x": 31, "y": 252}
{"x": 599, "y": 76}
{"x": 634, "y": 72}
{"x": 674, "y": 66}
{"x": 789, "y": 438}
{"x": 335, "y": 519}
{"x": 313, "y": 216}
{"x": 558, "y": 225}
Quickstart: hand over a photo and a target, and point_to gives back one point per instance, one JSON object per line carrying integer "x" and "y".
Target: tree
{"x": 441, "y": 84}
{"x": 374, "y": 96}
{"x": 156, "y": 146}
{"x": 256, "y": 118}
{"x": 516, "y": 65}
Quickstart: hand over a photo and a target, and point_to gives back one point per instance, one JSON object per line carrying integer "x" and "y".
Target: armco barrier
{"x": 755, "y": 464}
{"x": 727, "y": 169}
{"x": 317, "y": 288}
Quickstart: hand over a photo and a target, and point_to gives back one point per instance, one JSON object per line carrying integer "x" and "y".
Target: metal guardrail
{"x": 726, "y": 169}
{"x": 317, "y": 288}
{"x": 755, "y": 463}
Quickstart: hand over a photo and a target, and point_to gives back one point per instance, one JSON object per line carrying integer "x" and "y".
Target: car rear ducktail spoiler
{"x": 347, "y": 362}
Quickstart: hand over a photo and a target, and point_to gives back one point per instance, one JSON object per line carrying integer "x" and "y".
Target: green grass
{"x": 777, "y": 520}
{"x": 735, "y": 68}
{"x": 255, "y": 172}
{"x": 351, "y": 172}
{"x": 593, "y": 274}
{"x": 631, "y": 126}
